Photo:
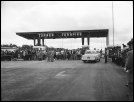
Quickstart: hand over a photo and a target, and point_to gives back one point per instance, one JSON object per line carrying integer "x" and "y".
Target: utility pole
{"x": 113, "y": 22}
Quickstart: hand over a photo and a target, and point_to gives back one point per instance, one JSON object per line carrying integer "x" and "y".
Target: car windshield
{"x": 90, "y": 52}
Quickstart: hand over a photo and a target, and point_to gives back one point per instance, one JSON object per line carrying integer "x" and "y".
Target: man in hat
{"x": 48, "y": 55}
{"x": 129, "y": 67}
{"x": 52, "y": 55}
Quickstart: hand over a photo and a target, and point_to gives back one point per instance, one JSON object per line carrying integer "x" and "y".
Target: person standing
{"x": 79, "y": 54}
{"x": 62, "y": 56}
{"x": 52, "y": 55}
{"x": 36, "y": 53}
{"x": 26, "y": 52}
{"x": 129, "y": 67}
{"x": 40, "y": 55}
{"x": 57, "y": 55}
{"x": 24, "y": 55}
{"x": 44, "y": 54}
{"x": 71, "y": 52}
{"x": 74, "y": 54}
{"x": 32, "y": 54}
{"x": 101, "y": 52}
{"x": 48, "y": 55}
{"x": 68, "y": 55}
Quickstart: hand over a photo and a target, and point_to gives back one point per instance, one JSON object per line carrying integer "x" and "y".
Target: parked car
{"x": 91, "y": 55}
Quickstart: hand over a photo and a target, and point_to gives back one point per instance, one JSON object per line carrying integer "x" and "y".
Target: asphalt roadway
{"x": 62, "y": 81}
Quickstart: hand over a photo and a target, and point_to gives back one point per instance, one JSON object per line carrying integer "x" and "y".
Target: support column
{"x": 88, "y": 40}
{"x": 107, "y": 39}
{"x": 34, "y": 41}
{"x": 43, "y": 41}
{"x": 82, "y": 39}
{"x": 39, "y": 40}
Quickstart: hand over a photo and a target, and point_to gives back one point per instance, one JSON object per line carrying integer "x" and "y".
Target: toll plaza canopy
{"x": 65, "y": 34}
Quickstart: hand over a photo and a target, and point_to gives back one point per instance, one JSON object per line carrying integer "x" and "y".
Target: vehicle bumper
{"x": 88, "y": 59}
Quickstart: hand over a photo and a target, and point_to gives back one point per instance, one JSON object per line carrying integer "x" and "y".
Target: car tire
{"x": 95, "y": 61}
{"x": 84, "y": 61}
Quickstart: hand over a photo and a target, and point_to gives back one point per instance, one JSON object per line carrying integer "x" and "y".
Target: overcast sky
{"x": 36, "y": 16}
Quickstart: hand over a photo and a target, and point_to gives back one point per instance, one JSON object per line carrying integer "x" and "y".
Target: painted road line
{"x": 60, "y": 74}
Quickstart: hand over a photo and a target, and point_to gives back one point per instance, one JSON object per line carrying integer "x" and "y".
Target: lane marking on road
{"x": 60, "y": 74}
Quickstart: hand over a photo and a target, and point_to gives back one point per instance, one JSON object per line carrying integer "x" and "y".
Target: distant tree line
{"x": 14, "y": 45}
{"x": 9, "y": 45}
{"x": 27, "y": 46}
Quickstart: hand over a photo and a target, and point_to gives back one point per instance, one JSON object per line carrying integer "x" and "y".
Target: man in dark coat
{"x": 129, "y": 67}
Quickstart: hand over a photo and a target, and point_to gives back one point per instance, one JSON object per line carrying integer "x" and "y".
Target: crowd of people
{"x": 8, "y": 55}
{"x": 25, "y": 54}
{"x": 49, "y": 53}
{"x": 124, "y": 58}
{"x": 63, "y": 54}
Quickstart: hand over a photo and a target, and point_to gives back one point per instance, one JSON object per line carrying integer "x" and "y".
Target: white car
{"x": 91, "y": 55}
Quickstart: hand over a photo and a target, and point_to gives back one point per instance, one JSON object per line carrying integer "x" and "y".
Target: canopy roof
{"x": 64, "y": 34}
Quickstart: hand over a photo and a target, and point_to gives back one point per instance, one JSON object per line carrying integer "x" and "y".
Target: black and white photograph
{"x": 66, "y": 50}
